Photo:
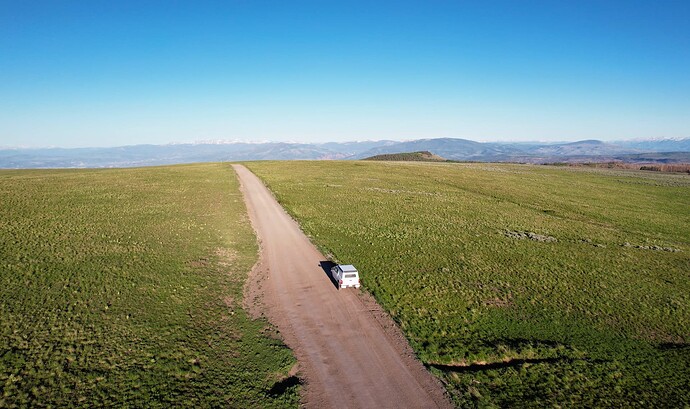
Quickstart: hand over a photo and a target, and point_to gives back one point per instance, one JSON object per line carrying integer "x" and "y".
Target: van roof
{"x": 348, "y": 268}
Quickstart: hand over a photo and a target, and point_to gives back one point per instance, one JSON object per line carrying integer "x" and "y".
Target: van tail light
{"x": 340, "y": 282}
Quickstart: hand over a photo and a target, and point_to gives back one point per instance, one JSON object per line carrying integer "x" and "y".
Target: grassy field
{"x": 124, "y": 287}
{"x": 519, "y": 286}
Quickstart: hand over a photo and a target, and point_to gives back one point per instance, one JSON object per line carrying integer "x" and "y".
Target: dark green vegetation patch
{"x": 518, "y": 285}
{"x": 421, "y": 156}
{"x": 124, "y": 287}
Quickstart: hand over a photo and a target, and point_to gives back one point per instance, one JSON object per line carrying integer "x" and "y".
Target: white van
{"x": 345, "y": 275}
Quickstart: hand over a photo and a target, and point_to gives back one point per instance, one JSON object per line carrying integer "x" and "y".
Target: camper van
{"x": 345, "y": 275}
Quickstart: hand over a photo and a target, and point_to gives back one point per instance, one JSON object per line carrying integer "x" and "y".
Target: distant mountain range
{"x": 652, "y": 150}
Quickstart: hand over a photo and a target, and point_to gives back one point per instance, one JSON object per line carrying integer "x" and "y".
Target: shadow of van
{"x": 326, "y": 266}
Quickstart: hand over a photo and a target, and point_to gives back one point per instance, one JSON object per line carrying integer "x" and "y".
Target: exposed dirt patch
{"x": 505, "y": 363}
{"x": 225, "y": 256}
{"x": 201, "y": 263}
{"x": 591, "y": 243}
{"x": 253, "y": 293}
{"x": 656, "y": 248}
{"x": 498, "y": 302}
{"x": 520, "y": 235}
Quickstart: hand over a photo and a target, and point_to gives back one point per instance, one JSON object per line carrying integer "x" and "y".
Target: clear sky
{"x": 109, "y": 73}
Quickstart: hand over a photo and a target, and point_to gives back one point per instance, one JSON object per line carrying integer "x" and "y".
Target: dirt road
{"x": 349, "y": 352}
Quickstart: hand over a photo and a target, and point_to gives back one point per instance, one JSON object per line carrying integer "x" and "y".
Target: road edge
{"x": 256, "y": 301}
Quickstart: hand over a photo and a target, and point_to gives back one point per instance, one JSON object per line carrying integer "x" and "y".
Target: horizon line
{"x": 236, "y": 141}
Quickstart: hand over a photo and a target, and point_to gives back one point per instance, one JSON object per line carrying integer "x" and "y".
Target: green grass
{"x": 124, "y": 287}
{"x": 599, "y": 317}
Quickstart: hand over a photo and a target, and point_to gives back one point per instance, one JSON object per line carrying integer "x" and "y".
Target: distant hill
{"x": 450, "y": 148}
{"x": 657, "y": 157}
{"x": 422, "y": 156}
{"x": 588, "y": 148}
{"x": 652, "y": 150}
{"x": 657, "y": 144}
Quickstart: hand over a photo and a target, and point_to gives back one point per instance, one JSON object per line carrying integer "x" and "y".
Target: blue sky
{"x": 110, "y": 73}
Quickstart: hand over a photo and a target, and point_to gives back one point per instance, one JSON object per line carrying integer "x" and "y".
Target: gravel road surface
{"x": 349, "y": 352}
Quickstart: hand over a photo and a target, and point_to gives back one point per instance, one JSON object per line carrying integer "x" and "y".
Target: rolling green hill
{"x": 518, "y": 285}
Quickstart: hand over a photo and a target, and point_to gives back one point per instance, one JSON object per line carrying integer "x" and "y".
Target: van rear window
{"x": 350, "y": 275}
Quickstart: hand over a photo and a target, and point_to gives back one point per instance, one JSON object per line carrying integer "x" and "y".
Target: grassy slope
{"x": 124, "y": 287}
{"x": 584, "y": 320}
